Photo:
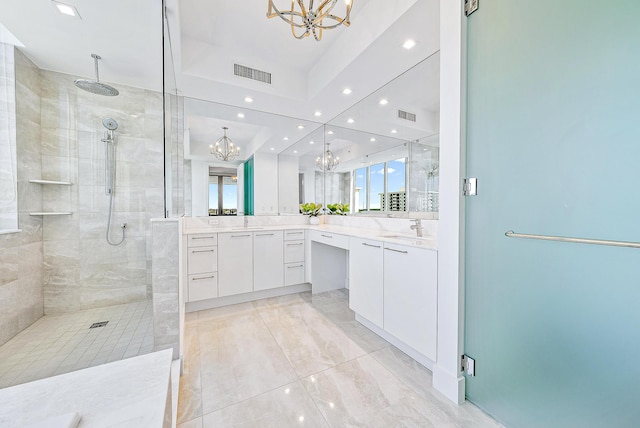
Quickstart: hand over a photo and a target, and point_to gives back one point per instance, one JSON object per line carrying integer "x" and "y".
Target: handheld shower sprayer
{"x": 110, "y": 172}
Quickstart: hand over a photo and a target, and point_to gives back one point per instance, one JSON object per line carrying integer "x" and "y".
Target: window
{"x": 223, "y": 195}
{"x": 380, "y": 187}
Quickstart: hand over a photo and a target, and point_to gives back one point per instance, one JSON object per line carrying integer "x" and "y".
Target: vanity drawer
{"x": 293, "y": 273}
{"x": 203, "y": 286}
{"x": 202, "y": 259}
{"x": 328, "y": 238}
{"x": 293, "y": 235}
{"x": 202, "y": 240}
{"x": 293, "y": 251}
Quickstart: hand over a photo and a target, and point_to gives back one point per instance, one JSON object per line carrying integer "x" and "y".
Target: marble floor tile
{"x": 190, "y": 391}
{"x": 194, "y": 423}
{"x": 287, "y": 406}
{"x": 311, "y": 341}
{"x": 239, "y": 359}
{"x": 420, "y": 379}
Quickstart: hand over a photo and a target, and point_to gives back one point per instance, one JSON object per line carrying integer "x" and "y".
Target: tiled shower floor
{"x": 57, "y": 344}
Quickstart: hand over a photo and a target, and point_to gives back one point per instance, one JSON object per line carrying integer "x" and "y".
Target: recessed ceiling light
{"x": 295, "y": 151}
{"x": 286, "y": 138}
{"x": 394, "y": 131}
{"x": 409, "y": 44}
{"x": 346, "y": 91}
{"x": 311, "y": 142}
{"x": 383, "y": 102}
{"x": 272, "y": 148}
{"x": 300, "y": 126}
{"x": 317, "y": 114}
{"x": 350, "y": 120}
{"x": 248, "y": 99}
{"x": 372, "y": 139}
{"x": 330, "y": 132}
{"x": 241, "y": 115}
{"x": 66, "y": 9}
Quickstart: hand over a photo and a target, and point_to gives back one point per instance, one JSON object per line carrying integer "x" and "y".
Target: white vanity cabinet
{"x": 410, "y": 296}
{"x": 366, "y": 290}
{"x": 202, "y": 266}
{"x": 235, "y": 263}
{"x": 294, "y": 250}
{"x": 268, "y": 260}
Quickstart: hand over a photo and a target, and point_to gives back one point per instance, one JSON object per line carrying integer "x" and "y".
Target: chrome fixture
{"x": 628, "y": 244}
{"x": 224, "y": 148}
{"x": 310, "y": 20}
{"x": 328, "y": 161}
{"x": 96, "y": 87}
{"x": 417, "y": 226}
{"x": 110, "y": 173}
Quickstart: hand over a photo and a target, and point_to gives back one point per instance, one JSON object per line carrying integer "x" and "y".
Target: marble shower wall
{"x": 21, "y": 273}
{"x": 80, "y": 269}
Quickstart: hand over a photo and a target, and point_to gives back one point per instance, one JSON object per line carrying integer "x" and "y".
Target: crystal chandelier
{"x": 310, "y": 20}
{"x": 328, "y": 161}
{"x": 224, "y": 148}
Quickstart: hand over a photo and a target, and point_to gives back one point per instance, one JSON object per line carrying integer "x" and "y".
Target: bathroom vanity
{"x": 391, "y": 277}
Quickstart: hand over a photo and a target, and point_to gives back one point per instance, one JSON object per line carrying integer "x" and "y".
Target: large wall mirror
{"x": 385, "y": 151}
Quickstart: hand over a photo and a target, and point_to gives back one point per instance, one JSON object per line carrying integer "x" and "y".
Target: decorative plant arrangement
{"x": 311, "y": 209}
{"x": 338, "y": 209}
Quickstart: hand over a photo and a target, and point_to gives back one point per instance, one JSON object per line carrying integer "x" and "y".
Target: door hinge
{"x": 468, "y": 365}
{"x": 470, "y": 6}
{"x": 470, "y": 186}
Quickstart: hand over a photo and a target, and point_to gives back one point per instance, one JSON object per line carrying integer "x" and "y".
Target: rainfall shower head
{"x": 110, "y": 124}
{"x": 96, "y": 87}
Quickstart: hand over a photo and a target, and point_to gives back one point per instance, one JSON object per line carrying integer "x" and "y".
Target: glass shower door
{"x": 553, "y": 138}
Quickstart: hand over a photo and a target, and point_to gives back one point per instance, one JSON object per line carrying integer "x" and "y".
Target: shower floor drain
{"x": 99, "y": 324}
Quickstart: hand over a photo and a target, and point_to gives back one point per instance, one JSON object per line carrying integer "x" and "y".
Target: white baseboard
{"x": 449, "y": 384}
{"x": 201, "y": 305}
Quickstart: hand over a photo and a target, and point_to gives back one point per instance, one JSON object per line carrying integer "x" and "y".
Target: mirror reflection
{"x": 380, "y": 156}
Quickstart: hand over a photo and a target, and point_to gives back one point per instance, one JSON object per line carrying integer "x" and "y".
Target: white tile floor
{"x": 57, "y": 344}
{"x": 302, "y": 360}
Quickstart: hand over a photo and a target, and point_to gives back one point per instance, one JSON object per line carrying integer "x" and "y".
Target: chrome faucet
{"x": 417, "y": 227}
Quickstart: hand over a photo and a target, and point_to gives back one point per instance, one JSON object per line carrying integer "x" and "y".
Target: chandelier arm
{"x": 292, "y": 14}
{"x": 303, "y": 9}
{"x": 339, "y": 21}
{"x": 302, "y": 36}
{"x": 321, "y": 15}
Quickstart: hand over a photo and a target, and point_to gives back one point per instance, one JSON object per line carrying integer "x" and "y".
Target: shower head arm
{"x": 95, "y": 59}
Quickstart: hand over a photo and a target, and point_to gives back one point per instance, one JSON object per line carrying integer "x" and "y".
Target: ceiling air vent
{"x": 251, "y": 73}
{"x": 406, "y": 115}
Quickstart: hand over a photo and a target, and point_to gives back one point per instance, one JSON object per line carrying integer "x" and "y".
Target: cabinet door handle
{"x": 204, "y": 277}
{"x": 293, "y": 245}
{"x": 202, "y": 237}
{"x": 240, "y": 236}
{"x": 203, "y": 251}
{"x": 369, "y": 245}
{"x": 264, "y": 234}
{"x": 295, "y": 233}
{"x": 397, "y": 251}
{"x": 327, "y": 236}
{"x": 294, "y": 267}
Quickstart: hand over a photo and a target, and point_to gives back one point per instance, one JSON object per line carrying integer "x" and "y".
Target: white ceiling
{"x": 208, "y": 37}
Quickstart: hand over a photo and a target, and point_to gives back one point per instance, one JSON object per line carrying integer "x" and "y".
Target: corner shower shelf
{"x": 62, "y": 183}
{"x": 51, "y": 213}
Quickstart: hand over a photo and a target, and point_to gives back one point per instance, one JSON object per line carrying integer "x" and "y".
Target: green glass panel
{"x": 553, "y": 138}
{"x": 248, "y": 187}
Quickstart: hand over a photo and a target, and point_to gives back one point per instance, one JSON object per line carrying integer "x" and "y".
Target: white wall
{"x": 288, "y": 185}
{"x": 265, "y": 184}
{"x": 199, "y": 188}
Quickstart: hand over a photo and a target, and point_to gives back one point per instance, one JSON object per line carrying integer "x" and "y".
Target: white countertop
{"x": 126, "y": 393}
{"x": 428, "y": 243}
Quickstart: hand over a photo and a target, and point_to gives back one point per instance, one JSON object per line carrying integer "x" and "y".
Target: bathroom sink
{"x": 417, "y": 240}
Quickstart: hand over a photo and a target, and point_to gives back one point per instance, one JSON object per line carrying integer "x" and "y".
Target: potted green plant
{"x": 338, "y": 209}
{"x": 313, "y": 210}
